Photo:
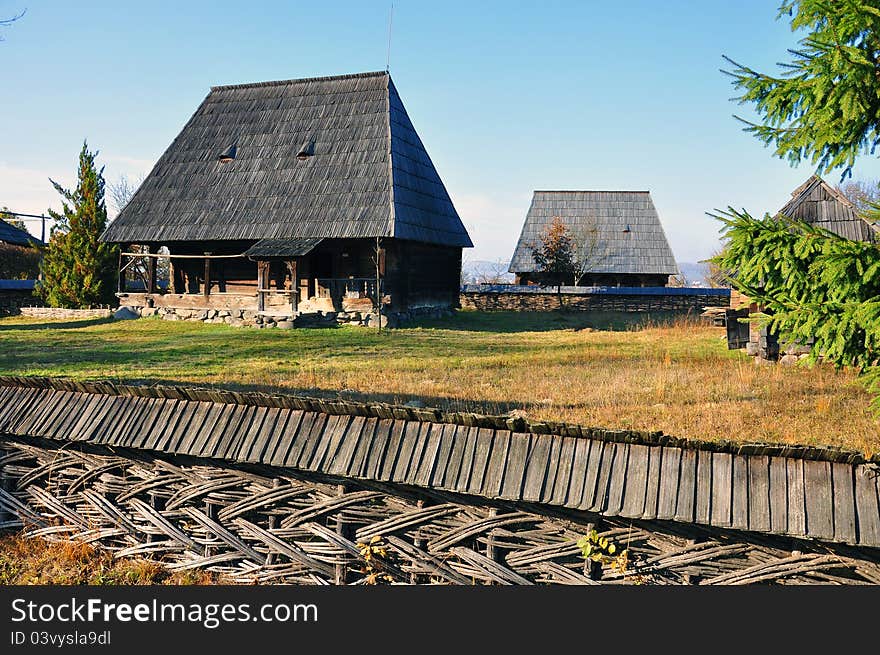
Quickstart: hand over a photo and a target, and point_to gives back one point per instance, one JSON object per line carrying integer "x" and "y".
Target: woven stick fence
{"x": 254, "y": 523}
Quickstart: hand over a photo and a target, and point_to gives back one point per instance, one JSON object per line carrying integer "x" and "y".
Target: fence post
{"x": 593, "y": 569}
{"x": 273, "y": 522}
{"x": 341, "y": 569}
{"x": 6, "y": 485}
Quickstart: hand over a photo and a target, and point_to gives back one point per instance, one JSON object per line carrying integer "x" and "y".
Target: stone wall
{"x": 250, "y": 318}
{"x": 520, "y": 298}
{"x": 58, "y": 313}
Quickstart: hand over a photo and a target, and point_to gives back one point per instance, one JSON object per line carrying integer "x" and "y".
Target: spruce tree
{"x": 78, "y": 270}
{"x": 824, "y": 107}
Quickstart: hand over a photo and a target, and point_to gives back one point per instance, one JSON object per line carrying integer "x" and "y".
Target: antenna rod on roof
{"x": 43, "y": 218}
{"x": 388, "y": 55}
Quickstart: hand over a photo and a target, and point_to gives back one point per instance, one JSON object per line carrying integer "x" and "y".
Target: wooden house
{"x": 287, "y": 197}
{"x": 818, "y": 203}
{"x": 19, "y": 254}
{"x": 628, "y": 249}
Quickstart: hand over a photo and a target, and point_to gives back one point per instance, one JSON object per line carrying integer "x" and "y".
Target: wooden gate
{"x": 737, "y": 330}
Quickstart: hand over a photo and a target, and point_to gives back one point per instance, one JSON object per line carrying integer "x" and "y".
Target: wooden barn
{"x": 818, "y": 203}
{"x": 10, "y": 235}
{"x": 628, "y": 246}
{"x": 295, "y": 196}
{"x": 19, "y": 253}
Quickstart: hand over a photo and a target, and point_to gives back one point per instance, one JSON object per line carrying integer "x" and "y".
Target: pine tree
{"x": 77, "y": 269}
{"x": 555, "y": 254}
{"x": 823, "y": 108}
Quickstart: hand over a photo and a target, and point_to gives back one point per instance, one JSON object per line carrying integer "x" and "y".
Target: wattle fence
{"x": 266, "y": 487}
{"x": 524, "y": 298}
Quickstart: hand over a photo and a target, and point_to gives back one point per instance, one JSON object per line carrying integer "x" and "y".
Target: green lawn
{"x": 593, "y": 369}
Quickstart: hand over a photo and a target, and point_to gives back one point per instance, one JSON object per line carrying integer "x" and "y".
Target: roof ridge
{"x": 815, "y": 177}
{"x": 299, "y": 80}
{"x": 588, "y": 191}
{"x": 798, "y": 194}
{"x": 834, "y": 191}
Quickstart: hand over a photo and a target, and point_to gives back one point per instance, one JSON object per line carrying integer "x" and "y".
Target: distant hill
{"x": 496, "y": 272}
{"x": 694, "y": 272}
{"x": 486, "y": 271}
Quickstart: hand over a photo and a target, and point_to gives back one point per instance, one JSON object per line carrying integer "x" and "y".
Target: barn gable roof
{"x": 327, "y": 157}
{"x": 629, "y": 234}
{"x": 16, "y": 236}
{"x": 818, "y": 203}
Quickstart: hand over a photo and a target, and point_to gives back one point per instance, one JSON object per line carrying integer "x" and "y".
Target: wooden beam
{"x": 121, "y": 280}
{"x": 207, "y": 288}
{"x": 294, "y": 284}
{"x": 261, "y": 284}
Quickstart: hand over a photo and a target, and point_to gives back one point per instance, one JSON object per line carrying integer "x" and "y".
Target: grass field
{"x": 593, "y": 370}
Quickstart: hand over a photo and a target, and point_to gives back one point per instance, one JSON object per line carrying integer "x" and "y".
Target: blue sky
{"x": 507, "y": 96}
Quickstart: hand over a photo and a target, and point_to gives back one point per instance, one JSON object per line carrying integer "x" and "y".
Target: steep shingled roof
{"x": 630, "y": 236}
{"x": 16, "y": 236}
{"x": 818, "y": 203}
{"x": 363, "y": 172}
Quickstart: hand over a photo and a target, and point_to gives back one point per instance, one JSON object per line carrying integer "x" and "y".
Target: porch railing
{"x": 347, "y": 287}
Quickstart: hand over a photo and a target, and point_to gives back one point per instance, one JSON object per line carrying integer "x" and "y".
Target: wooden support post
{"x": 273, "y": 524}
{"x": 419, "y": 543}
{"x": 261, "y": 284}
{"x": 120, "y": 286}
{"x": 6, "y": 485}
{"x": 207, "y": 275}
{"x": 341, "y": 569}
{"x": 304, "y": 283}
{"x": 294, "y": 285}
{"x": 154, "y": 503}
{"x": 151, "y": 273}
{"x": 688, "y": 577}
{"x": 211, "y": 513}
{"x": 491, "y": 551}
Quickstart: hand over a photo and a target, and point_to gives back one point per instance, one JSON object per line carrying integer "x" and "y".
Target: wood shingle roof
{"x": 362, "y": 170}
{"x": 818, "y": 203}
{"x": 629, "y": 232}
{"x": 16, "y": 236}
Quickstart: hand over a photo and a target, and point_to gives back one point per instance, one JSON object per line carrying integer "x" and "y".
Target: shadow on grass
{"x": 445, "y": 403}
{"x": 57, "y": 325}
{"x": 512, "y": 322}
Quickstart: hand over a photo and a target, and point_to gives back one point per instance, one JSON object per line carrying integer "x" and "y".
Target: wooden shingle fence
{"x": 270, "y": 487}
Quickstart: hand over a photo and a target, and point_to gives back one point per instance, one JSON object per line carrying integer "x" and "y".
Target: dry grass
{"x": 37, "y": 562}
{"x": 677, "y": 378}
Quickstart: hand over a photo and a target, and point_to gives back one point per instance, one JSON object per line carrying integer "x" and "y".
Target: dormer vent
{"x": 227, "y": 155}
{"x": 306, "y": 150}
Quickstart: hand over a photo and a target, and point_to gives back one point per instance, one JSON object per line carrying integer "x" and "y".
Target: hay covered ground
{"x": 599, "y": 370}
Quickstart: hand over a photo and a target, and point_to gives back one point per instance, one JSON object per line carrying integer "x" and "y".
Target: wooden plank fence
{"x": 383, "y": 454}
